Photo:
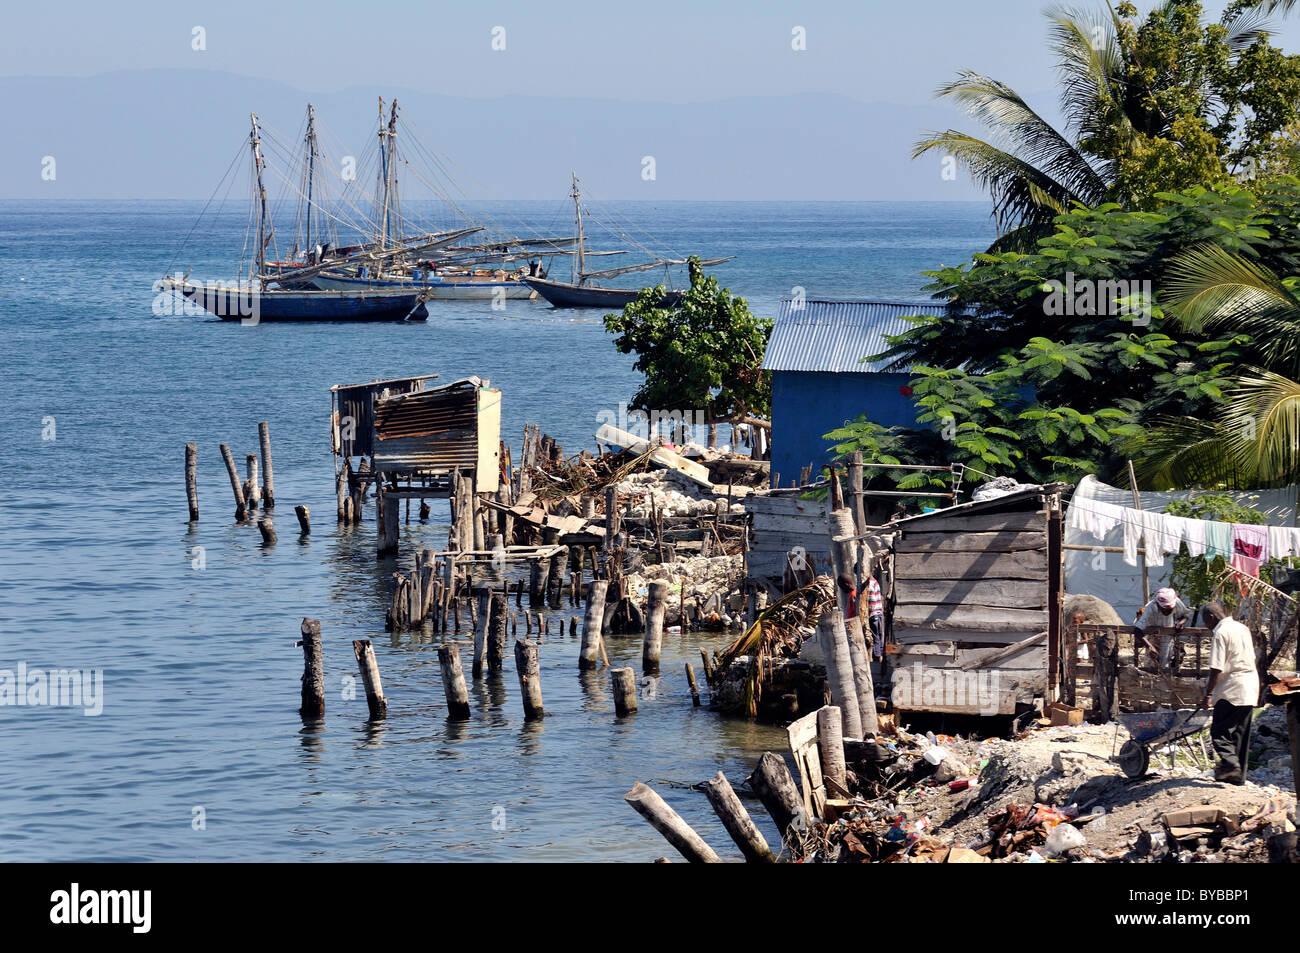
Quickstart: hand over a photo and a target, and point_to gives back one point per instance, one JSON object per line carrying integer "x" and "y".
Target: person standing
{"x": 1231, "y": 692}
{"x": 1165, "y": 615}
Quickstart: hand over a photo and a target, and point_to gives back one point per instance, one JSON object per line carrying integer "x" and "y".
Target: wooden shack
{"x": 419, "y": 435}
{"x": 977, "y": 595}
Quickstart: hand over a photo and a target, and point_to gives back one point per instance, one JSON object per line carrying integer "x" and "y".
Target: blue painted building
{"x": 819, "y": 380}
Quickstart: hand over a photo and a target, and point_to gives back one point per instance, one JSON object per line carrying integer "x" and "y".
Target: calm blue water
{"x": 201, "y": 676}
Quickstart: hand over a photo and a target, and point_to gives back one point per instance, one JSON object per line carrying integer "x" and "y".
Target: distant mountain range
{"x": 172, "y": 134}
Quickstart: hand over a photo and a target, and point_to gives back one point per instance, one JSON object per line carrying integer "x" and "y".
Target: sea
{"x": 191, "y": 748}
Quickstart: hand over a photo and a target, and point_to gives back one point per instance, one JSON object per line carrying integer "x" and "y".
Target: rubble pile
{"x": 708, "y": 584}
{"x": 1051, "y": 795}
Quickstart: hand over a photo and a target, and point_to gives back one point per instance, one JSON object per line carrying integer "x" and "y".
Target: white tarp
{"x": 1106, "y": 575}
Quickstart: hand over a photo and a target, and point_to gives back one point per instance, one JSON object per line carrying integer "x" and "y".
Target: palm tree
{"x": 1032, "y": 170}
{"x": 1256, "y": 440}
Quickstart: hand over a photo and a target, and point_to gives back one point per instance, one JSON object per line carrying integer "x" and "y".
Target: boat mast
{"x": 311, "y": 172}
{"x": 382, "y": 200}
{"x": 391, "y": 189}
{"x": 263, "y": 216}
{"x": 580, "y": 262}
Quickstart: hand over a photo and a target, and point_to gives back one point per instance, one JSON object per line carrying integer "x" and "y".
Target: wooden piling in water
{"x": 737, "y": 821}
{"x": 530, "y": 683}
{"x": 830, "y": 734}
{"x": 839, "y": 669}
{"x": 655, "y": 607}
{"x": 266, "y": 526}
{"x": 592, "y": 625}
{"x": 481, "y": 632}
{"x": 390, "y": 517}
{"x": 573, "y": 626}
{"x": 497, "y": 629}
{"x": 313, "y": 672}
{"x": 304, "y": 518}
{"x": 772, "y": 782}
{"x": 611, "y": 515}
{"x": 241, "y": 511}
{"x": 690, "y": 680}
{"x": 192, "y": 479}
{"x": 624, "y": 683}
{"x": 252, "y": 490}
{"x": 369, "y": 668}
{"x": 453, "y": 682}
{"x": 669, "y": 823}
{"x": 268, "y": 484}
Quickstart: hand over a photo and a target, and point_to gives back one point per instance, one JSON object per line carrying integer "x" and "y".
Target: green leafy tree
{"x": 1157, "y": 104}
{"x": 704, "y": 353}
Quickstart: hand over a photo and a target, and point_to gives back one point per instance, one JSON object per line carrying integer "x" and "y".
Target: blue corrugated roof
{"x": 834, "y": 334}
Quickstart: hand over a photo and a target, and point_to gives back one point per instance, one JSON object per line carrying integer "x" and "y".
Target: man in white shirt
{"x": 1232, "y": 692}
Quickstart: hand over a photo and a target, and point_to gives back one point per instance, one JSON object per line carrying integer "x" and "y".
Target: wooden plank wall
{"x": 963, "y": 584}
{"x": 784, "y": 524}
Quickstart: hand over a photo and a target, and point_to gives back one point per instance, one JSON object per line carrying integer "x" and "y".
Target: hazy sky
{"x": 658, "y": 50}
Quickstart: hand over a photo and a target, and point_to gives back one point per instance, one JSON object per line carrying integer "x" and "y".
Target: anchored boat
{"x": 582, "y": 293}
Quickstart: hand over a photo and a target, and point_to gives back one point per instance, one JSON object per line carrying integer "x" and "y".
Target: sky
{"x": 656, "y": 50}
{"x": 562, "y": 52}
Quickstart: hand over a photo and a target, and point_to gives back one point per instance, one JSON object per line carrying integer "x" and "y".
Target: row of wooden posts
{"x": 248, "y": 493}
{"x": 489, "y": 651}
{"x": 775, "y": 787}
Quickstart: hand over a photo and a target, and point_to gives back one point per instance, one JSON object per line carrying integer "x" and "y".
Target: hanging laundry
{"x": 1192, "y": 533}
{"x": 1153, "y": 537}
{"x": 1095, "y": 517}
{"x": 1282, "y": 542}
{"x": 1133, "y": 529}
{"x": 1249, "y": 547}
{"x": 1218, "y": 539}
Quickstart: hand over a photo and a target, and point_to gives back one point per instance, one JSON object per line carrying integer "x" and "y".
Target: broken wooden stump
{"x": 656, "y": 606}
{"x": 834, "y": 642}
{"x": 497, "y": 631}
{"x": 268, "y": 484}
{"x": 669, "y": 823}
{"x": 690, "y": 680}
{"x": 192, "y": 479}
{"x": 830, "y": 733}
{"x": 624, "y": 684}
{"x": 737, "y": 821}
{"x": 453, "y": 682}
{"x": 369, "y": 669}
{"x": 772, "y": 782}
{"x": 304, "y": 519}
{"x": 592, "y": 623}
{"x": 313, "y": 672}
{"x": 530, "y": 683}
{"x": 266, "y": 526}
{"x": 252, "y": 489}
{"x": 480, "y": 631}
{"x": 241, "y": 510}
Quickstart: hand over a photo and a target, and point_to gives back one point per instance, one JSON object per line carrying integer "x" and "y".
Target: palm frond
{"x": 1022, "y": 193}
{"x": 1262, "y": 425}
{"x": 1210, "y": 287}
{"x": 1017, "y": 129}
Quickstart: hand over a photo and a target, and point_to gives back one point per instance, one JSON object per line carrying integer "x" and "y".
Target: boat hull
{"x": 562, "y": 294}
{"x": 252, "y": 306}
{"x": 444, "y": 290}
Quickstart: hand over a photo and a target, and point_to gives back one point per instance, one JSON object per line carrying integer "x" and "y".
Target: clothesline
{"x": 1246, "y": 546}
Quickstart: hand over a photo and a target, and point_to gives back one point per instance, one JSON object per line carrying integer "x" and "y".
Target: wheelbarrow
{"x": 1155, "y": 729}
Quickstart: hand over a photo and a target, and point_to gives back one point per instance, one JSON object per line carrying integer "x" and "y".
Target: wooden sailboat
{"x": 253, "y": 299}
{"x": 438, "y": 272}
{"x": 581, "y": 293}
